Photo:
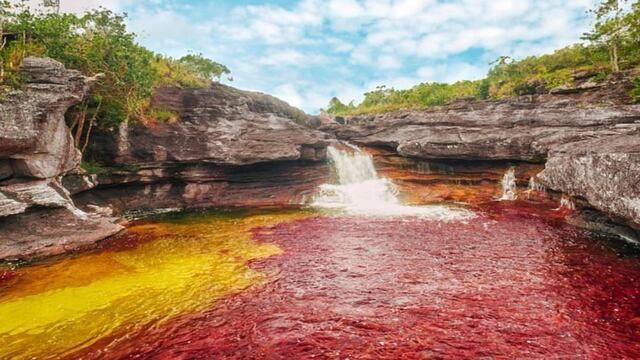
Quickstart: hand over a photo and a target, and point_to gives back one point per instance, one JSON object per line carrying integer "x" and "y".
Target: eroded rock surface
{"x": 37, "y": 214}
{"x": 523, "y": 128}
{"x": 228, "y": 148}
{"x": 605, "y": 172}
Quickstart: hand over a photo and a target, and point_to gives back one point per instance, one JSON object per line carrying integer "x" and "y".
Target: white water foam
{"x": 361, "y": 191}
{"x": 509, "y": 187}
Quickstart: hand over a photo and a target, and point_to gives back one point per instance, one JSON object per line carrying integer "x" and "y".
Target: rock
{"x": 78, "y": 182}
{"x": 566, "y": 89}
{"x": 590, "y": 137}
{"x": 229, "y": 148}
{"x": 523, "y": 128}
{"x": 37, "y": 214}
{"x": 33, "y": 135}
{"x": 10, "y": 206}
{"x": 221, "y": 125}
{"x": 45, "y": 232}
{"x": 604, "y": 171}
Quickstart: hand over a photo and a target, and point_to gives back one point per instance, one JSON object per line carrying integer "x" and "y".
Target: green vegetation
{"x": 98, "y": 43}
{"x": 94, "y": 167}
{"x": 636, "y": 90}
{"x": 612, "y": 45}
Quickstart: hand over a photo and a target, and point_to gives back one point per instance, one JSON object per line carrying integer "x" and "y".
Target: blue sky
{"x": 307, "y": 51}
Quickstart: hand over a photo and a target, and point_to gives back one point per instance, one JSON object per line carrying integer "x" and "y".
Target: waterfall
{"x": 566, "y": 203}
{"x": 509, "y": 188}
{"x": 360, "y": 190}
{"x": 534, "y": 187}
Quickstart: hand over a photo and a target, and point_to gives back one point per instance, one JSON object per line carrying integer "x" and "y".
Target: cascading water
{"x": 509, "y": 187}
{"x": 360, "y": 190}
{"x": 534, "y": 187}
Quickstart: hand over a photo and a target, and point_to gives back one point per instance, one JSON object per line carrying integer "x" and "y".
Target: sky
{"x": 308, "y": 51}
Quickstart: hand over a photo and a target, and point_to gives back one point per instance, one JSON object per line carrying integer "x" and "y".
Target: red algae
{"x": 514, "y": 282}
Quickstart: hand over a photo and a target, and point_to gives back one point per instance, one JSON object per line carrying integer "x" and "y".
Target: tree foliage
{"x": 98, "y": 42}
{"x": 612, "y": 45}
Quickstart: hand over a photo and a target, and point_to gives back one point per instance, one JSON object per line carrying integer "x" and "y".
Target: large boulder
{"x": 37, "y": 214}
{"x": 35, "y": 141}
{"x": 605, "y": 172}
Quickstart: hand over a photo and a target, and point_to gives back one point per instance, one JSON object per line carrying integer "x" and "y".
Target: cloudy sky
{"x": 307, "y": 51}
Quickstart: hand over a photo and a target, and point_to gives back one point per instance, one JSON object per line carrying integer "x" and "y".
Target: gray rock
{"x": 37, "y": 214}
{"x": 220, "y": 125}
{"x": 605, "y": 172}
{"x": 229, "y": 148}
{"x": 33, "y": 134}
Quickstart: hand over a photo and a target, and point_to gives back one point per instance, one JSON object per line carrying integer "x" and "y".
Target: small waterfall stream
{"x": 360, "y": 190}
{"x": 509, "y": 187}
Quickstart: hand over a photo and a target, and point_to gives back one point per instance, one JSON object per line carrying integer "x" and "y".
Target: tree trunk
{"x": 91, "y": 123}
{"x": 614, "y": 58}
{"x": 80, "y": 119}
{"x": 3, "y": 42}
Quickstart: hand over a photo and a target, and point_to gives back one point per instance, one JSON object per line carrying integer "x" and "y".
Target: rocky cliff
{"x": 588, "y": 138}
{"x": 227, "y": 148}
{"x": 37, "y": 215}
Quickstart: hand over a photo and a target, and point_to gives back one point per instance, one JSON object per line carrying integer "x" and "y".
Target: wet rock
{"x": 44, "y": 232}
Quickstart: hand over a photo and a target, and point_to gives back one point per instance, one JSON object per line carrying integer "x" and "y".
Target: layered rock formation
{"x": 228, "y": 148}
{"x": 604, "y": 172}
{"x": 561, "y": 127}
{"x": 37, "y": 215}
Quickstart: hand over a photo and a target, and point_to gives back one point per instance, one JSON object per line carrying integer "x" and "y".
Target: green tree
{"x": 203, "y": 67}
{"x": 336, "y": 107}
{"x": 98, "y": 44}
{"x": 635, "y": 93}
{"x": 609, "y": 29}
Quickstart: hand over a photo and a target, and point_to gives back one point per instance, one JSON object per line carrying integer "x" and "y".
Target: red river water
{"x": 511, "y": 283}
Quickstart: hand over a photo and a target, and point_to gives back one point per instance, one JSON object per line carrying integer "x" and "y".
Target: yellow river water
{"x": 55, "y": 308}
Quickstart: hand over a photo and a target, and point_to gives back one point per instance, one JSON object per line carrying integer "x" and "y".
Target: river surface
{"x": 357, "y": 276}
{"x": 511, "y": 282}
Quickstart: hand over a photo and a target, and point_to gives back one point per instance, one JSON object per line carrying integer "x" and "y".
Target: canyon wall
{"x": 227, "y": 148}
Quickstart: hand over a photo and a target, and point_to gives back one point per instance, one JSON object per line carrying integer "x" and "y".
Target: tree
{"x": 203, "y": 67}
{"x": 336, "y": 107}
{"x": 609, "y": 29}
{"x": 5, "y": 7}
{"x": 53, "y": 5}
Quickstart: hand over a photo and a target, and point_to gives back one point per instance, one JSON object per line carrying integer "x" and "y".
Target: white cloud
{"x": 451, "y": 72}
{"x": 79, "y": 7}
{"x": 311, "y": 50}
